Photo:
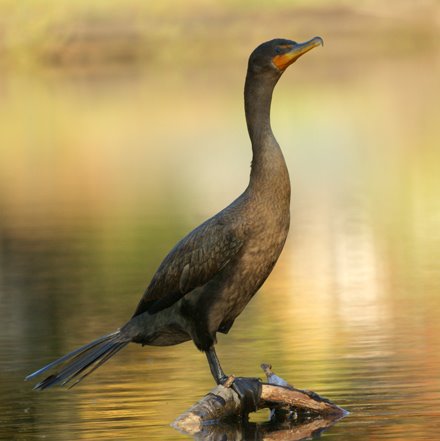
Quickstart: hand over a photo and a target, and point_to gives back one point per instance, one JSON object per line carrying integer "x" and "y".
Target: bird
{"x": 210, "y": 275}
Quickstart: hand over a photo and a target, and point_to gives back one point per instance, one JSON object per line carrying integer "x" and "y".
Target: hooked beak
{"x": 283, "y": 61}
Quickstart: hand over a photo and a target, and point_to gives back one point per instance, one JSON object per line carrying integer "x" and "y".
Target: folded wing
{"x": 193, "y": 262}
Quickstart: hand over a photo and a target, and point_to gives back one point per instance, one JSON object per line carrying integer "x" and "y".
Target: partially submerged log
{"x": 285, "y": 402}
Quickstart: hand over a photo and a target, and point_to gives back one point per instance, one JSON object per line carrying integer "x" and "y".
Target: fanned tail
{"x": 82, "y": 361}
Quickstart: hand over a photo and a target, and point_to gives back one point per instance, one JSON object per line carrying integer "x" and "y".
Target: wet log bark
{"x": 284, "y": 401}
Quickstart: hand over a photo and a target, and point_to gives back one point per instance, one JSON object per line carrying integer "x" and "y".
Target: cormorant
{"x": 208, "y": 278}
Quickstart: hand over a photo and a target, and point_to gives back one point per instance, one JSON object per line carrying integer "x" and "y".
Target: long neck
{"x": 268, "y": 166}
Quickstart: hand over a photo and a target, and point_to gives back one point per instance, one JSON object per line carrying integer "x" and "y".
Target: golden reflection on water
{"x": 101, "y": 174}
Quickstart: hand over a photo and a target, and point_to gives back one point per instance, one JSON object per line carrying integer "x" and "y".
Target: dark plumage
{"x": 208, "y": 278}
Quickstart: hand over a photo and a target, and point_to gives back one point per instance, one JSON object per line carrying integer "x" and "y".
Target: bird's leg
{"x": 214, "y": 364}
{"x": 248, "y": 389}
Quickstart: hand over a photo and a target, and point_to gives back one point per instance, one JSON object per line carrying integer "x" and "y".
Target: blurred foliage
{"x": 82, "y": 33}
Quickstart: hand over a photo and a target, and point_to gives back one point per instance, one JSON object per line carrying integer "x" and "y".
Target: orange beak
{"x": 283, "y": 61}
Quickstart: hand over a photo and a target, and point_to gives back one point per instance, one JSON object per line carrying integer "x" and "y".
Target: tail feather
{"x": 82, "y": 361}
{"x": 76, "y": 366}
{"x": 70, "y": 355}
{"x": 96, "y": 365}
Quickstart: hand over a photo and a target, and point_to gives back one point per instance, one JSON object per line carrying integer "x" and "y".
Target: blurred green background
{"x": 122, "y": 128}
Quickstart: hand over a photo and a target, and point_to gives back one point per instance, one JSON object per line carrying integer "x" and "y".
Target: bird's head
{"x": 278, "y": 54}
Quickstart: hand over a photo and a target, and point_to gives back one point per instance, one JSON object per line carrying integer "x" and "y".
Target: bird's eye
{"x": 278, "y": 50}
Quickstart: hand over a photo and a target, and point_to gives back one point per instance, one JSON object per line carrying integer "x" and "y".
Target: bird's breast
{"x": 249, "y": 270}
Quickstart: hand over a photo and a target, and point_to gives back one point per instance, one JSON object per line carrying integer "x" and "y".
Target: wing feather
{"x": 193, "y": 262}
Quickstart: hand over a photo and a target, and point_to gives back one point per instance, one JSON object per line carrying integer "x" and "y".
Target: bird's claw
{"x": 249, "y": 391}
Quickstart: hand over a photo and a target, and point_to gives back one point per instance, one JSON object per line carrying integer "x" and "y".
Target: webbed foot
{"x": 249, "y": 391}
{"x": 247, "y": 388}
